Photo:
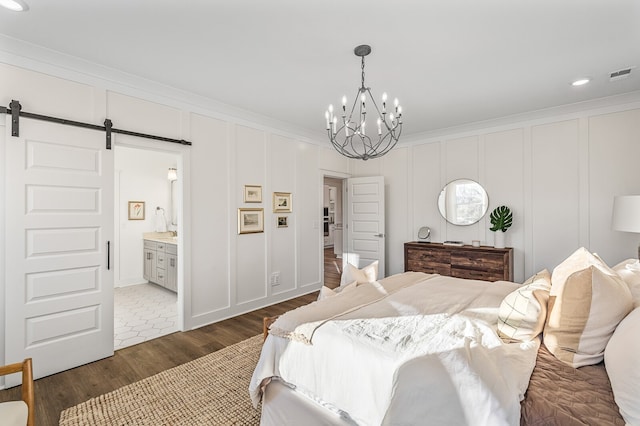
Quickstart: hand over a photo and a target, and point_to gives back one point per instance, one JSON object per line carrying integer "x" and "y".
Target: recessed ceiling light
{"x": 15, "y": 5}
{"x": 581, "y": 82}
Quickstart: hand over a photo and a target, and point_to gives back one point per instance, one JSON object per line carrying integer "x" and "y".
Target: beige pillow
{"x": 631, "y": 277}
{"x": 586, "y": 302}
{"x": 522, "y": 313}
{"x": 578, "y": 260}
{"x": 326, "y": 292}
{"x": 368, "y": 274}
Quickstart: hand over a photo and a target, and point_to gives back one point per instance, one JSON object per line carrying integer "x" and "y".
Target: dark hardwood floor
{"x": 63, "y": 390}
{"x": 332, "y": 268}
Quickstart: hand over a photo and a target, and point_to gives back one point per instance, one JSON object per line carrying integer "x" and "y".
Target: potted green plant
{"x": 501, "y": 219}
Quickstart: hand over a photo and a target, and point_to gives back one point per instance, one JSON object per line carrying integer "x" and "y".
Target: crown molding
{"x": 606, "y": 105}
{"x": 39, "y": 59}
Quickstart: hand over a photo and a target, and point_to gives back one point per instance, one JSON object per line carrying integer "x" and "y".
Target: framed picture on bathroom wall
{"x": 250, "y": 221}
{"x": 136, "y": 210}
{"x": 252, "y": 194}
{"x": 282, "y": 222}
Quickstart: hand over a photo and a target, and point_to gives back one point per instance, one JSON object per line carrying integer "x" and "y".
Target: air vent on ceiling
{"x": 620, "y": 74}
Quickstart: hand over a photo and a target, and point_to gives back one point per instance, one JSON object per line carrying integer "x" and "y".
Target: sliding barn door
{"x": 59, "y": 225}
{"x": 365, "y": 222}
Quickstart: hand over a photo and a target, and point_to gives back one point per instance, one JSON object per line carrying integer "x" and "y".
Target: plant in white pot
{"x": 501, "y": 220}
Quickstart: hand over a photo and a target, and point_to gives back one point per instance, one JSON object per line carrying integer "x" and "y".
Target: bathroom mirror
{"x": 463, "y": 202}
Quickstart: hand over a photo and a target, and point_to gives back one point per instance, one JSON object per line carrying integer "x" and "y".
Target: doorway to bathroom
{"x": 146, "y": 194}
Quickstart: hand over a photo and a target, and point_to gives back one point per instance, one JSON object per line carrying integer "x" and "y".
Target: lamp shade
{"x": 626, "y": 213}
{"x": 172, "y": 174}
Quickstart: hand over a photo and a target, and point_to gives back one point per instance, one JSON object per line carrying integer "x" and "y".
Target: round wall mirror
{"x": 463, "y": 202}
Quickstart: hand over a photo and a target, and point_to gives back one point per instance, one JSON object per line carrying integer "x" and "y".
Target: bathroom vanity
{"x": 161, "y": 260}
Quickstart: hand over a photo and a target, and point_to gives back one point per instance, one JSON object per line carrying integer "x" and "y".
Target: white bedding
{"x": 424, "y": 353}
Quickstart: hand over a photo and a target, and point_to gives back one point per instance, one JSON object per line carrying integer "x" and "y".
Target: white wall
{"x": 558, "y": 175}
{"x": 140, "y": 175}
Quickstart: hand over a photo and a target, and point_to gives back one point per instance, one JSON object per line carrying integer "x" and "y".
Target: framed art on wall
{"x": 282, "y": 222}
{"x": 250, "y": 221}
{"x": 136, "y": 210}
{"x": 282, "y": 202}
{"x": 252, "y": 194}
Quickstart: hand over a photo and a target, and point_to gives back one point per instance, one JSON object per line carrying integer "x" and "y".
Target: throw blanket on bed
{"x": 300, "y": 324}
{"x": 428, "y": 353}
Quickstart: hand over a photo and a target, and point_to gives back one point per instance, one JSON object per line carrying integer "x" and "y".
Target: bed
{"x": 419, "y": 348}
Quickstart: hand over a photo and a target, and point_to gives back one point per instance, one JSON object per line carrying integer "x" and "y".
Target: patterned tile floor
{"x": 143, "y": 312}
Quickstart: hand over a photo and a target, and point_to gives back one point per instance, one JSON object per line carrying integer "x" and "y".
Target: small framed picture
{"x": 250, "y": 221}
{"x": 282, "y": 202}
{"x": 136, "y": 210}
{"x": 282, "y": 222}
{"x": 252, "y": 194}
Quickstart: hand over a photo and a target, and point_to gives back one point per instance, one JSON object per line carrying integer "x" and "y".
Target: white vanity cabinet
{"x": 150, "y": 261}
{"x": 171, "y": 259}
{"x": 160, "y": 263}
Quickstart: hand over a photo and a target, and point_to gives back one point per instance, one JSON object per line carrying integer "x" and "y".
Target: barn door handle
{"x": 108, "y": 255}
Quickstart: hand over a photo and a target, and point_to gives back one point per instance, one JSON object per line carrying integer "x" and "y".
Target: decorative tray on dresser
{"x": 478, "y": 263}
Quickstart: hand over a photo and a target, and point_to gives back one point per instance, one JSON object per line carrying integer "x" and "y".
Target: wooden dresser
{"x": 478, "y": 263}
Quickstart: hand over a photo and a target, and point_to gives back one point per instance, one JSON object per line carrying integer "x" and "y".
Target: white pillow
{"x": 586, "y": 302}
{"x": 631, "y": 277}
{"x": 368, "y": 274}
{"x": 522, "y": 312}
{"x": 622, "y": 361}
{"x": 326, "y": 292}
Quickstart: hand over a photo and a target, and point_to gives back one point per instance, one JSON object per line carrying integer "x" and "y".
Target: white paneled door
{"x": 59, "y": 225}
{"x": 365, "y": 222}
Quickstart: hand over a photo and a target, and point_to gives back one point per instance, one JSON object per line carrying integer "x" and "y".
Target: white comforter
{"x": 407, "y": 351}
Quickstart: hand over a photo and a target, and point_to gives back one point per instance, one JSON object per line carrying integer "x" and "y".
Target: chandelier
{"x": 351, "y": 136}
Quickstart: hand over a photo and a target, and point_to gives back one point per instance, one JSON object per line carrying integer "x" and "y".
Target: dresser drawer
{"x": 429, "y": 261}
{"x": 476, "y": 274}
{"x": 428, "y": 267}
{"x": 476, "y": 260}
{"x": 436, "y": 256}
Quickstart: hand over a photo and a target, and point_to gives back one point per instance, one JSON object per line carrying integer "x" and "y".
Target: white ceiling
{"x": 451, "y": 62}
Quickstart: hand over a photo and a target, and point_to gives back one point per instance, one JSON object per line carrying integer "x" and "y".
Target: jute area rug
{"x": 212, "y": 390}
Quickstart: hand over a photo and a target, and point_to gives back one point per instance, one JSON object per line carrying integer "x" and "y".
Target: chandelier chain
{"x": 363, "y": 72}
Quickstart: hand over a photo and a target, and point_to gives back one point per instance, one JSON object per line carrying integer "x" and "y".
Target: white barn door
{"x": 59, "y": 225}
{"x": 365, "y": 222}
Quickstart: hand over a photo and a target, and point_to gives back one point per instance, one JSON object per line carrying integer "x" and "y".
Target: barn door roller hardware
{"x": 15, "y": 109}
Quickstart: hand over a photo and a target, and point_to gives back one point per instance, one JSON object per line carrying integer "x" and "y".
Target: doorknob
{"x": 379, "y": 235}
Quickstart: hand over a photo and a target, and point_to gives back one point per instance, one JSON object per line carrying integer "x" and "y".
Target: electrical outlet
{"x": 275, "y": 278}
